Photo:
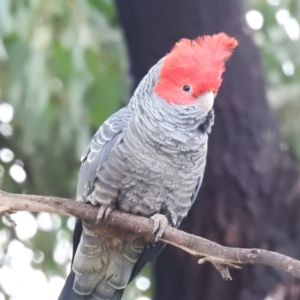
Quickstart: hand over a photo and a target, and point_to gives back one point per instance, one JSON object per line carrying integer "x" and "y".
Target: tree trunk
{"x": 250, "y": 194}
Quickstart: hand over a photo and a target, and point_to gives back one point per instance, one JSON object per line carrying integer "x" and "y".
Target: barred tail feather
{"x": 98, "y": 272}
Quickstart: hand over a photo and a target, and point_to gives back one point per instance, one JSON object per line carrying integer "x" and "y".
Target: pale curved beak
{"x": 206, "y": 100}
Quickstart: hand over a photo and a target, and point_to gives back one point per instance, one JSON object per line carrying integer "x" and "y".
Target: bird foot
{"x": 160, "y": 223}
{"x": 103, "y": 213}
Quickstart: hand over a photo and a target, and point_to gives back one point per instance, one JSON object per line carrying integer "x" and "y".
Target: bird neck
{"x": 147, "y": 104}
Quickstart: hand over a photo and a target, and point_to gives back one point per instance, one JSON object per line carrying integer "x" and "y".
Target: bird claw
{"x": 103, "y": 213}
{"x": 160, "y": 223}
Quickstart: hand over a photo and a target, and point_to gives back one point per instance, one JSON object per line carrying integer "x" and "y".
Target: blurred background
{"x": 64, "y": 69}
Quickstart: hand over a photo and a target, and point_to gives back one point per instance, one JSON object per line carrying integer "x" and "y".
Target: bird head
{"x": 192, "y": 72}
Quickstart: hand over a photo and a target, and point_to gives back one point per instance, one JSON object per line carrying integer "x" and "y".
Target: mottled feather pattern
{"x": 124, "y": 166}
{"x": 98, "y": 149}
{"x": 146, "y": 159}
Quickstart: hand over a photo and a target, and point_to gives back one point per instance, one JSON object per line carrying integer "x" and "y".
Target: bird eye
{"x": 186, "y": 88}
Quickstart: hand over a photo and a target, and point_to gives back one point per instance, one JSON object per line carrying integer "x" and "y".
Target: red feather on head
{"x": 198, "y": 63}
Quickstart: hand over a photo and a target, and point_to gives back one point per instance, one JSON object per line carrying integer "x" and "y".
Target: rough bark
{"x": 250, "y": 194}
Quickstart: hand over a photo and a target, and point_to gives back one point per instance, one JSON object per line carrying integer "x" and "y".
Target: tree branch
{"x": 221, "y": 257}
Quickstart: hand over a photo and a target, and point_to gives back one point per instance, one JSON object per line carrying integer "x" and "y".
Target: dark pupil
{"x": 186, "y": 88}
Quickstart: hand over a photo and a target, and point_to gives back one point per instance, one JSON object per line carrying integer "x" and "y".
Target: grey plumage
{"x": 147, "y": 158}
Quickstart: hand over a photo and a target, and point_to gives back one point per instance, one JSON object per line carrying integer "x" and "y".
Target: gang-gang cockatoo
{"x": 147, "y": 159}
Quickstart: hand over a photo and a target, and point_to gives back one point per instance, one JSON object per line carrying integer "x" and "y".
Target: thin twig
{"x": 220, "y": 256}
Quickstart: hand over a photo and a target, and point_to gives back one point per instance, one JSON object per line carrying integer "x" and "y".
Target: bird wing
{"x": 99, "y": 148}
{"x": 105, "y": 139}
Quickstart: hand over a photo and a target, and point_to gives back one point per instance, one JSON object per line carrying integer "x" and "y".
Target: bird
{"x": 146, "y": 159}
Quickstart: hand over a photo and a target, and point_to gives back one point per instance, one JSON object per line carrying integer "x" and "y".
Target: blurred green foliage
{"x": 63, "y": 68}
{"x": 279, "y": 43}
